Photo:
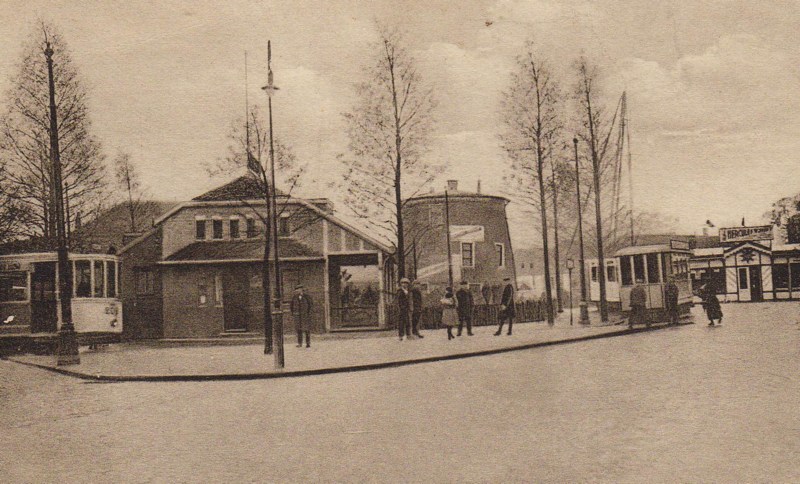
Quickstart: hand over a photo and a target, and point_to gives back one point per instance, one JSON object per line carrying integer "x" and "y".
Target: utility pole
{"x": 559, "y": 305}
{"x": 278, "y": 323}
{"x": 447, "y": 224}
{"x": 67, "y": 351}
{"x": 584, "y": 318}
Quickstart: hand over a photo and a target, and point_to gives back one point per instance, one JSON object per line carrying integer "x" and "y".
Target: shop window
{"x": 13, "y": 286}
{"x": 216, "y": 228}
{"x": 794, "y": 271}
{"x": 594, "y": 273}
{"x": 625, "y": 270}
{"x": 652, "y": 268}
{"x": 780, "y": 276}
{"x": 112, "y": 279}
{"x": 743, "y": 278}
{"x": 611, "y": 274}
{"x": 500, "y": 254}
{"x": 234, "y": 228}
{"x": 200, "y": 229}
{"x": 99, "y": 279}
{"x": 83, "y": 278}
{"x": 467, "y": 254}
{"x": 638, "y": 269}
{"x": 145, "y": 282}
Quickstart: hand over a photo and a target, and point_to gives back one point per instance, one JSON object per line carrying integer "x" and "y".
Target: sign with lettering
{"x": 742, "y": 234}
{"x": 678, "y": 245}
{"x": 12, "y": 266}
{"x": 466, "y": 233}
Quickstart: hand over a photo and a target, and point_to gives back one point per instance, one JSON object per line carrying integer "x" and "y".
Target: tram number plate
{"x": 111, "y": 310}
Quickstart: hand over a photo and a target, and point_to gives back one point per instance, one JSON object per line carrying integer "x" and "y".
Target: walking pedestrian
{"x": 711, "y": 305}
{"x": 404, "y": 307}
{"x": 671, "y": 299}
{"x": 465, "y": 305}
{"x": 449, "y": 312}
{"x": 300, "y": 307}
{"x": 638, "y": 306}
{"x": 507, "y": 310}
{"x": 416, "y": 308}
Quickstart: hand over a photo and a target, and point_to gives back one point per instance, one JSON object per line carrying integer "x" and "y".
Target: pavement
{"x": 148, "y": 362}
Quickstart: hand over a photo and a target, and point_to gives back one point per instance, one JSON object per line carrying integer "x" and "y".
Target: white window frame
{"x": 502, "y": 253}
{"x": 200, "y": 218}
{"x": 472, "y": 247}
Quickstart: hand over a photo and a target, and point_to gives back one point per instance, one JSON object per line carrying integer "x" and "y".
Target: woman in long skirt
{"x": 711, "y": 304}
{"x": 449, "y": 313}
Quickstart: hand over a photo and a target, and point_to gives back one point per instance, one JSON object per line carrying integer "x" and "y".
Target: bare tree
{"x": 24, "y": 136}
{"x": 389, "y": 131}
{"x": 13, "y": 214}
{"x": 128, "y": 182}
{"x": 533, "y": 123}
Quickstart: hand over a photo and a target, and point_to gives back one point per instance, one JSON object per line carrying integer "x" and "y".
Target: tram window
{"x": 13, "y": 286}
{"x": 625, "y": 270}
{"x": 594, "y": 273}
{"x": 652, "y": 268}
{"x": 99, "y": 279}
{"x": 112, "y": 279}
{"x": 611, "y": 274}
{"x": 638, "y": 269}
{"x": 664, "y": 266}
{"x": 780, "y": 276}
{"x": 83, "y": 278}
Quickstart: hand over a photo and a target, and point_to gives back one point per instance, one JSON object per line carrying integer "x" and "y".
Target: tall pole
{"x": 67, "y": 351}
{"x": 559, "y": 305}
{"x": 447, "y": 227}
{"x": 278, "y": 326}
{"x": 584, "y": 319}
{"x": 569, "y": 269}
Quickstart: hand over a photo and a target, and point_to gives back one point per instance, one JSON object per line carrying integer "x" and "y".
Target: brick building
{"x": 197, "y": 272}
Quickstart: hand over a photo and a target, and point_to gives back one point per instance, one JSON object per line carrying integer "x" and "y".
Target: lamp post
{"x": 67, "y": 350}
{"x": 570, "y": 266}
{"x": 584, "y": 318}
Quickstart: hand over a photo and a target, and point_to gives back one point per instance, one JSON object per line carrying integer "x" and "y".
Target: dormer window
{"x": 283, "y": 226}
{"x": 200, "y": 228}
{"x": 216, "y": 228}
{"x": 234, "y": 228}
{"x": 251, "y": 227}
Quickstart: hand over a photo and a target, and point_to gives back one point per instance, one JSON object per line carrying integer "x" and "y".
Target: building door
{"x": 44, "y": 307}
{"x": 236, "y": 301}
{"x": 744, "y": 284}
{"x": 756, "y": 292}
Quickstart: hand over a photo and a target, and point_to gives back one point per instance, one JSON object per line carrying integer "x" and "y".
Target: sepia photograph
{"x": 399, "y": 241}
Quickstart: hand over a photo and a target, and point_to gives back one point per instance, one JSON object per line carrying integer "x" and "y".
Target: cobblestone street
{"x": 685, "y": 404}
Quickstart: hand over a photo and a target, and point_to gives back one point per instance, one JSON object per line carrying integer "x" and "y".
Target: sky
{"x": 713, "y": 86}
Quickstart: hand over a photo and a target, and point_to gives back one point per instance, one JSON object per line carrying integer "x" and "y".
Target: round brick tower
{"x": 480, "y": 244}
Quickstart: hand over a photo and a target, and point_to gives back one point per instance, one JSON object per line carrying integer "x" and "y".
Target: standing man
{"x": 416, "y": 308}
{"x": 465, "y": 303}
{"x": 671, "y": 293}
{"x": 507, "y": 310}
{"x": 301, "y": 313}
{"x": 638, "y": 306}
{"x": 404, "y": 305}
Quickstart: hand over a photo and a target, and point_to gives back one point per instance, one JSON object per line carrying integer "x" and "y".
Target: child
{"x": 449, "y": 312}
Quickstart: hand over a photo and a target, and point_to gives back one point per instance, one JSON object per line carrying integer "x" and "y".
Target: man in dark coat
{"x": 464, "y": 308}
{"x": 404, "y": 307}
{"x": 300, "y": 307}
{"x": 638, "y": 306}
{"x": 671, "y": 299}
{"x": 507, "y": 310}
{"x": 416, "y": 308}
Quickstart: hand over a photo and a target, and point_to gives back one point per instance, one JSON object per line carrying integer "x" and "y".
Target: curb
{"x": 332, "y": 370}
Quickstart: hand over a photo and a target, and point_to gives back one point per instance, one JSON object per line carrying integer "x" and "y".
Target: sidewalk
{"x": 143, "y": 362}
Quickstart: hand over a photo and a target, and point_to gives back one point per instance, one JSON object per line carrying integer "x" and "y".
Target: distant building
{"x": 480, "y": 244}
{"x": 197, "y": 273}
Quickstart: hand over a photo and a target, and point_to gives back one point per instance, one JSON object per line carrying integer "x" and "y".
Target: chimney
{"x": 479, "y": 186}
{"x": 452, "y": 185}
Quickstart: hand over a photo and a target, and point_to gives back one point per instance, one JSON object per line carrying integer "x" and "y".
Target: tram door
{"x": 44, "y": 307}
{"x": 756, "y": 293}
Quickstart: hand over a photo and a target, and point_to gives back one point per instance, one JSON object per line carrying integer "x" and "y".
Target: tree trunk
{"x": 547, "y": 287}
{"x": 559, "y": 305}
{"x": 601, "y": 264}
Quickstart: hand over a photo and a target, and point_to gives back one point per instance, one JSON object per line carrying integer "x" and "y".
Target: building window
{"x": 780, "y": 276}
{"x": 500, "y": 254}
{"x": 13, "y": 286}
{"x": 218, "y": 290}
{"x": 594, "y": 273}
{"x": 611, "y": 274}
{"x": 145, "y": 282}
{"x": 83, "y": 278}
{"x": 251, "y": 227}
{"x": 467, "y": 254}
{"x": 742, "y": 278}
{"x": 216, "y": 228}
{"x": 283, "y": 226}
{"x": 234, "y": 228}
{"x": 200, "y": 229}
{"x": 625, "y": 270}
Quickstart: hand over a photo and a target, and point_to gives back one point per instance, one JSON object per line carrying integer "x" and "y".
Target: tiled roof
{"x": 252, "y": 249}
{"x": 243, "y": 188}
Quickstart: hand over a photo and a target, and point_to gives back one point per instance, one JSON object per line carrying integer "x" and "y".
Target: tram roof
{"x": 646, "y": 249}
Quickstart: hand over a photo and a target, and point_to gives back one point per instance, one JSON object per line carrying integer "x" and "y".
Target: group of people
{"x": 457, "y": 309}
{"x": 638, "y": 304}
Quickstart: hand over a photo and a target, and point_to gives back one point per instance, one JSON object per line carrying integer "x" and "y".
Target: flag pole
{"x": 447, "y": 223}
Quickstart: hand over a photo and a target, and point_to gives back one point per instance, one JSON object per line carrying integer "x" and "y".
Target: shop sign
{"x": 12, "y": 266}
{"x": 741, "y": 234}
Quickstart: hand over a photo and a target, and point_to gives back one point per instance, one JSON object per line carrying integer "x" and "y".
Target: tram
{"x": 29, "y": 301}
{"x": 653, "y": 266}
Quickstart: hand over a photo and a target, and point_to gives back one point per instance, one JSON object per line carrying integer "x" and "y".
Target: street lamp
{"x": 584, "y": 307}
{"x": 570, "y": 266}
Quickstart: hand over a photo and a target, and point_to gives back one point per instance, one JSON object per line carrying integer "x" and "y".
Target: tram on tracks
{"x": 30, "y": 304}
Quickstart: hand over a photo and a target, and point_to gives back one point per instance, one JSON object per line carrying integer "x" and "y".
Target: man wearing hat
{"x": 404, "y": 305}
{"x": 301, "y": 314}
{"x": 507, "y": 311}
{"x": 464, "y": 308}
